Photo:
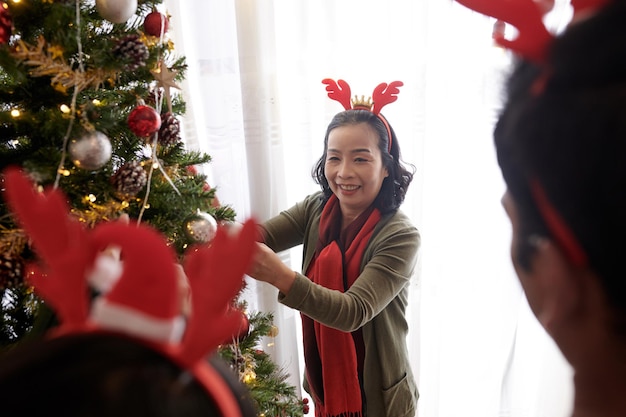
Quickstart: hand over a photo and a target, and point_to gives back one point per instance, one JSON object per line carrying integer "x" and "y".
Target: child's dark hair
{"x": 564, "y": 125}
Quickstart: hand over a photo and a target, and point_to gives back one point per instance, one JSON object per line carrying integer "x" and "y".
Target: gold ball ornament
{"x": 116, "y": 11}
{"x": 201, "y": 227}
{"x": 91, "y": 152}
{"x": 273, "y": 331}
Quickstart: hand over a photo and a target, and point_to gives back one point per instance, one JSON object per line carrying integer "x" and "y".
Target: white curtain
{"x": 257, "y": 106}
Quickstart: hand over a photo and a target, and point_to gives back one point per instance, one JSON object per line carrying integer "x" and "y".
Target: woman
{"x": 359, "y": 256}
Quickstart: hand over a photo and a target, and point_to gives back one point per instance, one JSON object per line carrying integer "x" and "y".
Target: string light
{"x": 15, "y": 113}
{"x": 65, "y": 109}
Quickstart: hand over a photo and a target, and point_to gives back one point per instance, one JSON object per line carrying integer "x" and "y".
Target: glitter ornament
{"x": 154, "y": 22}
{"x": 129, "y": 179}
{"x": 169, "y": 132}
{"x": 11, "y": 270}
{"x": 144, "y": 121}
{"x": 91, "y": 152}
{"x": 116, "y": 11}
{"x": 244, "y": 327}
{"x": 6, "y": 23}
{"x": 132, "y": 52}
{"x": 201, "y": 228}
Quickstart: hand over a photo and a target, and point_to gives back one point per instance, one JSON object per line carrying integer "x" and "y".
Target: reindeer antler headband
{"x": 383, "y": 94}
{"x": 533, "y": 39}
{"x": 143, "y": 302}
{"x": 533, "y": 43}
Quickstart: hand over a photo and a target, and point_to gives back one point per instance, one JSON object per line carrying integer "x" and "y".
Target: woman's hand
{"x": 268, "y": 267}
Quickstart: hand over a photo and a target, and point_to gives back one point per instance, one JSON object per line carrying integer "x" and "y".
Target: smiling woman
{"x": 254, "y": 103}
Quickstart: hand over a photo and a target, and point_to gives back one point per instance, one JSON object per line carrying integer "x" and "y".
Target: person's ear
{"x": 560, "y": 286}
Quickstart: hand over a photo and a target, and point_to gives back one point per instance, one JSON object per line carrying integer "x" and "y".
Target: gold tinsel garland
{"x": 46, "y": 61}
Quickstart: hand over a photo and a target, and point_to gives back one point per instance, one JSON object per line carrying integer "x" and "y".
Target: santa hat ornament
{"x": 143, "y": 302}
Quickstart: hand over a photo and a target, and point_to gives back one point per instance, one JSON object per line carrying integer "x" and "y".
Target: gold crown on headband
{"x": 362, "y": 103}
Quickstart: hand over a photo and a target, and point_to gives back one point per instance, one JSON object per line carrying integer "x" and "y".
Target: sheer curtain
{"x": 257, "y": 106}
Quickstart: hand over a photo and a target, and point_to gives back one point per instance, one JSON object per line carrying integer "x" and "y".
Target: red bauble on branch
{"x": 6, "y": 23}
{"x": 144, "y": 121}
{"x": 154, "y": 22}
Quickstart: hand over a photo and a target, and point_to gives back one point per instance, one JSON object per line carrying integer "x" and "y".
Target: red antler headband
{"x": 526, "y": 16}
{"x": 143, "y": 302}
{"x": 383, "y": 94}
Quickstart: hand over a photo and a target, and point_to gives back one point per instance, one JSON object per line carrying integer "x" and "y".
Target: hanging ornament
{"x": 169, "y": 132}
{"x": 116, "y": 11}
{"x": 6, "y": 23}
{"x": 305, "y": 405}
{"x": 244, "y": 327}
{"x": 200, "y": 227}
{"x": 132, "y": 52}
{"x": 155, "y": 23}
{"x": 166, "y": 78}
{"x": 144, "y": 121}
{"x": 91, "y": 152}
{"x": 11, "y": 270}
{"x": 273, "y": 332}
{"x": 129, "y": 179}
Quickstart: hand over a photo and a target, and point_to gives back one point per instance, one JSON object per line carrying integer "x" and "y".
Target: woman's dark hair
{"x": 395, "y": 186}
{"x": 564, "y": 126}
{"x": 105, "y": 375}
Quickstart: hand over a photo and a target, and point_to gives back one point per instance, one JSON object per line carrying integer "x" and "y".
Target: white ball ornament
{"x": 116, "y": 11}
{"x": 91, "y": 152}
{"x": 201, "y": 227}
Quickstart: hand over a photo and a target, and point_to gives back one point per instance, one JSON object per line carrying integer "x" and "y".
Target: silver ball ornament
{"x": 201, "y": 227}
{"x": 91, "y": 152}
{"x": 116, "y": 11}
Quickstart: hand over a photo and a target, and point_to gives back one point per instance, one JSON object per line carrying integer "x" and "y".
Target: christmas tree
{"x": 91, "y": 105}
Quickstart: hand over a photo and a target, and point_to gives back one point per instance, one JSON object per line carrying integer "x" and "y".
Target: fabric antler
{"x": 340, "y": 91}
{"x": 385, "y": 94}
{"x": 60, "y": 243}
{"x": 215, "y": 276}
{"x": 526, "y": 16}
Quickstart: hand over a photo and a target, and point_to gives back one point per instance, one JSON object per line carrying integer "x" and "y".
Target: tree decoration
{"x": 130, "y": 179}
{"x": 169, "y": 132}
{"x": 91, "y": 151}
{"x": 11, "y": 270}
{"x": 132, "y": 51}
{"x": 116, "y": 11}
{"x": 144, "y": 120}
{"x": 42, "y": 63}
{"x": 6, "y": 23}
{"x": 244, "y": 327}
{"x": 165, "y": 78}
{"x": 200, "y": 227}
{"x": 155, "y": 23}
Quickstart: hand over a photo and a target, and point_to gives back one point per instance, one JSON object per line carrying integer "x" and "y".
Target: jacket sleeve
{"x": 389, "y": 262}
{"x": 290, "y": 227}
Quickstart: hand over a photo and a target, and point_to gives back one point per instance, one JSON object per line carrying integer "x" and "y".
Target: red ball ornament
{"x": 144, "y": 121}
{"x": 6, "y": 23}
{"x": 153, "y": 23}
{"x": 244, "y": 328}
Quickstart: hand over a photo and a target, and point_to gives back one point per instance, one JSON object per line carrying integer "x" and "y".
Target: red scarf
{"x": 334, "y": 359}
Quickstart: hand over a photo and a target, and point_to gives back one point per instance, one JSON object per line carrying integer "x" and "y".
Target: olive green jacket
{"x": 376, "y": 302}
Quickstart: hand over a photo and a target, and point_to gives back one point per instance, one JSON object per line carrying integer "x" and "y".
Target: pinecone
{"x": 132, "y": 51}
{"x": 129, "y": 179}
{"x": 169, "y": 132}
{"x": 11, "y": 270}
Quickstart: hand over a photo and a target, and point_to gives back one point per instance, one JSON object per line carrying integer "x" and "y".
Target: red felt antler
{"x": 583, "y": 7}
{"x": 215, "y": 275}
{"x": 61, "y": 243}
{"x": 339, "y": 91}
{"x": 526, "y": 16}
{"x": 385, "y": 94}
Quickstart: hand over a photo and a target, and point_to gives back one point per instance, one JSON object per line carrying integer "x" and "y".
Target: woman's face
{"x": 354, "y": 168}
